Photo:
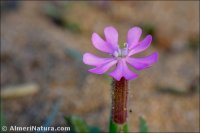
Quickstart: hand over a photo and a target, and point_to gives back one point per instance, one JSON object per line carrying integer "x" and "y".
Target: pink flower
{"x": 120, "y": 57}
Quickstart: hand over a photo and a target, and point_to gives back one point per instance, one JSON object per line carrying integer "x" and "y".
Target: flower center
{"x": 121, "y": 52}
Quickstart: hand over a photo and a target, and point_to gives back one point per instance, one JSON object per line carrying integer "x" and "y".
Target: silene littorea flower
{"x": 120, "y": 56}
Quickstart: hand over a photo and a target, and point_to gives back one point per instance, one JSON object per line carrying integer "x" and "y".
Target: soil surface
{"x": 43, "y": 43}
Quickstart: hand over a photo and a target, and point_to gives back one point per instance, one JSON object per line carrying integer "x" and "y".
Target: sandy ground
{"x": 34, "y": 49}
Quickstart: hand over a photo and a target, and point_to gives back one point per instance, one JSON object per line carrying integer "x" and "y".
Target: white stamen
{"x": 121, "y": 52}
{"x": 116, "y": 54}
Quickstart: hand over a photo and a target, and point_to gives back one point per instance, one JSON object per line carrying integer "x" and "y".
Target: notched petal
{"x": 103, "y": 68}
{"x": 144, "y": 44}
{"x": 122, "y": 70}
{"x": 143, "y": 63}
{"x": 111, "y": 36}
{"x": 100, "y": 44}
{"x": 133, "y": 36}
{"x": 93, "y": 60}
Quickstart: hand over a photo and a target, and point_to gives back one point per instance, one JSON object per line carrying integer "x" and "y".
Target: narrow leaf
{"x": 125, "y": 128}
{"x": 143, "y": 126}
{"x": 3, "y": 122}
{"x": 113, "y": 127}
{"x": 77, "y": 124}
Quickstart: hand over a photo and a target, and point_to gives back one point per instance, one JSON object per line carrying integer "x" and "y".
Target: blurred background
{"x": 43, "y": 77}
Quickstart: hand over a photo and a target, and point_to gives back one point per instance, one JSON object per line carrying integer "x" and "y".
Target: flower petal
{"x": 122, "y": 70}
{"x": 111, "y": 36}
{"x": 93, "y": 60}
{"x": 133, "y": 36}
{"x": 100, "y": 44}
{"x": 142, "y": 63}
{"x": 144, "y": 44}
{"x": 103, "y": 68}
